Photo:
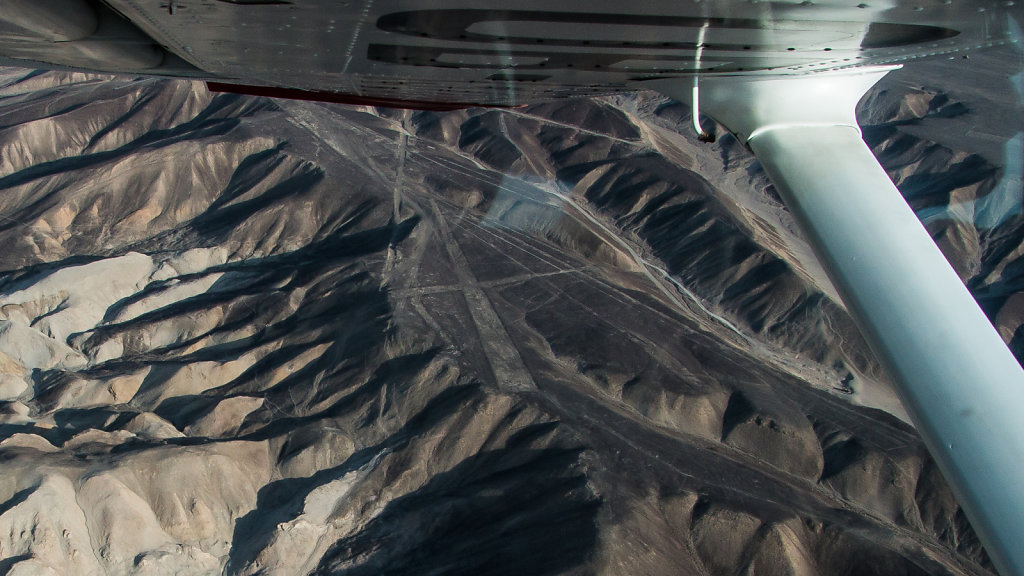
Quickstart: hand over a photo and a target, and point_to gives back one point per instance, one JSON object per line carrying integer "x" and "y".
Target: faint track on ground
{"x": 510, "y": 372}
{"x": 786, "y": 361}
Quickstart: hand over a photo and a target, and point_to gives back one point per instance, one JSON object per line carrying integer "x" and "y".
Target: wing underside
{"x": 457, "y": 51}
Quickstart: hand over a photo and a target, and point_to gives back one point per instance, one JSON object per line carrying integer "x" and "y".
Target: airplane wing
{"x": 460, "y": 52}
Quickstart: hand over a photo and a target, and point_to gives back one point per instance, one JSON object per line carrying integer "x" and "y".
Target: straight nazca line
{"x": 510, "y": 373}
{"x": 396, "y": 215}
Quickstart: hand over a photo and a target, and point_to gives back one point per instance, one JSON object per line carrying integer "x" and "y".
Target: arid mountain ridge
{"x": 253, "y": 336}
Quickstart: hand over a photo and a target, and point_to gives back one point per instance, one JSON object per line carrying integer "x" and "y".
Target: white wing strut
{"x": 961, "y": 385}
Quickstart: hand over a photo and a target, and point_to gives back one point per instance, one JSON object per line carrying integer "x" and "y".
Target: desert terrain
{"x": 252, "y": 336}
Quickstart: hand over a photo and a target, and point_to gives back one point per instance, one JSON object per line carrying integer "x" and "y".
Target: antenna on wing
{"x": 702, "y": 134}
